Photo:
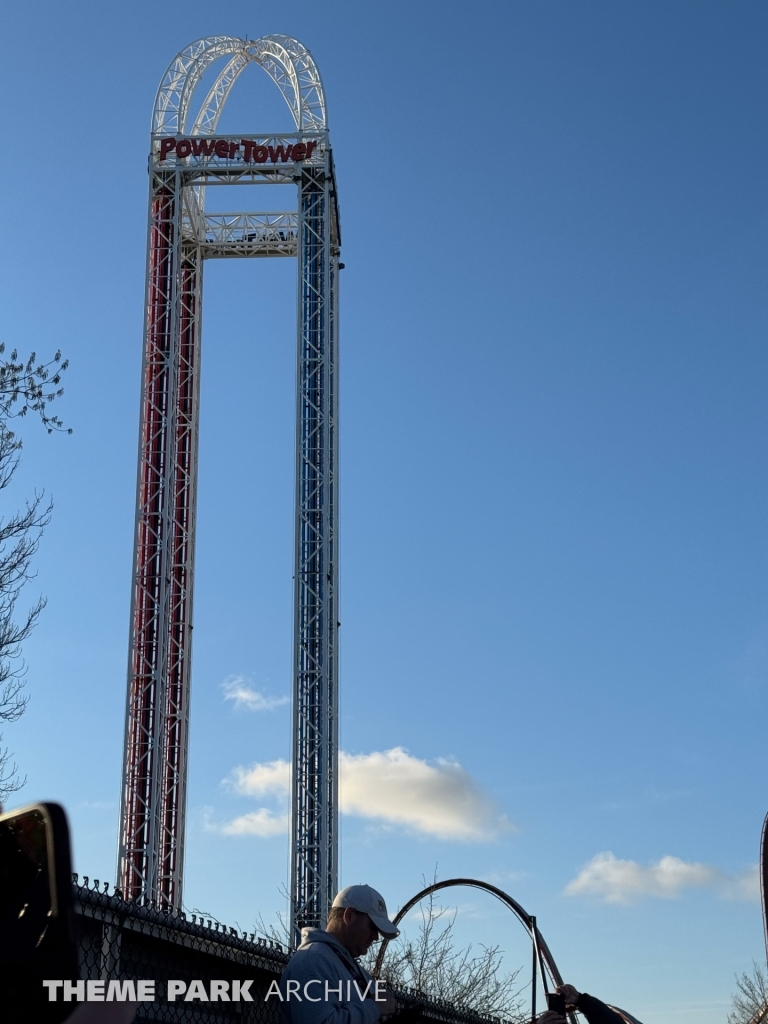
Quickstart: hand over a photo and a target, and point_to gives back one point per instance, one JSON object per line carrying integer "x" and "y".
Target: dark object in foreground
{"x": 556, "y": 1003}
{"x": 38, "y": 937}
{"x": 603, "y": 1013}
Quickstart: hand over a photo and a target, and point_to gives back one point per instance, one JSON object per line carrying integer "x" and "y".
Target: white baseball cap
{"x": 367, "y": 901}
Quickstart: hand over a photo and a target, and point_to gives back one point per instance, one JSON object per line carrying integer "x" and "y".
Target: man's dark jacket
{"x": 601, "y": 1013}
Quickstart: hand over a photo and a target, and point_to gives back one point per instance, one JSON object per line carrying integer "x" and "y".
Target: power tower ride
{"x": 186, "y": 157}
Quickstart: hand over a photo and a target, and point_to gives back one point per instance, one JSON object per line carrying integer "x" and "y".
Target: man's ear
{"x": 349, "y": 915}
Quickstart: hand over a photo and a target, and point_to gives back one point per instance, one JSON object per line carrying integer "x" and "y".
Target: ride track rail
{"x": 542, "y": 958}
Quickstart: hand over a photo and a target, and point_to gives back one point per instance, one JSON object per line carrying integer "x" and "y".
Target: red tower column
{"x": 180, "y": 594}
{"x": 151, "y": 828}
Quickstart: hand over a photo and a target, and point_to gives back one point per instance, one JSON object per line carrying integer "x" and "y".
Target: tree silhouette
{"x": 25, "y": 387}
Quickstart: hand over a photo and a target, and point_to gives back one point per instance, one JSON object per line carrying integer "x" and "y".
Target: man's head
{"x": 357, "y": 918}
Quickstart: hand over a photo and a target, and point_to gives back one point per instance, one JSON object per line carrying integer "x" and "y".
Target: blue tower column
{"x": 314, "y": 826}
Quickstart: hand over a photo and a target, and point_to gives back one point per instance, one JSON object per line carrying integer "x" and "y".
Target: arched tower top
{"x": 286, "y": 61}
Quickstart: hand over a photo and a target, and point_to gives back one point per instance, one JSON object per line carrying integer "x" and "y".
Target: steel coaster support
{"x": 314, "y": 825}
{"x": 764, "y": 880}
{"x": 152, "y": 806}
{"x": 543, "y": 961}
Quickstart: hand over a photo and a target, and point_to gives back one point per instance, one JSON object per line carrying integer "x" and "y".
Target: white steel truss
{"x": 181, "y": 235}
{"x": 250, "y": 234}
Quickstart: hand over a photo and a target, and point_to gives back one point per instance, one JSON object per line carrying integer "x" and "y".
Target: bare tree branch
{"x": 750, "y": 1002}
{"x": 25, "y": 387}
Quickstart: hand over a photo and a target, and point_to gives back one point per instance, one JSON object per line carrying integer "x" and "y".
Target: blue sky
{"x": 553, "y": 603}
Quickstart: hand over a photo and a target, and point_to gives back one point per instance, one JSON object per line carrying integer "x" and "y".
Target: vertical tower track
{"x": 315, "y": 738}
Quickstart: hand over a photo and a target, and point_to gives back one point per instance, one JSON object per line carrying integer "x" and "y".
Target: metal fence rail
{"x": 127, "y": 941}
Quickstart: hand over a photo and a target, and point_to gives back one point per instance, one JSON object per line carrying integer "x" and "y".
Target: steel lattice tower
{"x": 185, "y": 158}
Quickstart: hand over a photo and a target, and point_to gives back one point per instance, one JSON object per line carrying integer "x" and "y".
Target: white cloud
{"x": 236, "y": 688}
{"x": 257, "y": 823}
{"x": 745, "y": 885}
{"x": 625, "y": 881}
{"x": 270, "y": 779}
{"x": 439, "y": 799}
{"x": 392, "y": 787}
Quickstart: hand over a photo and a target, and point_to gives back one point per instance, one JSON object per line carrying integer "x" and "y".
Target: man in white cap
{"x": 323, "y": 982}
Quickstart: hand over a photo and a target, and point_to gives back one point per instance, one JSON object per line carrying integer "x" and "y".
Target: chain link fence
{"x": 127, "y": 942}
